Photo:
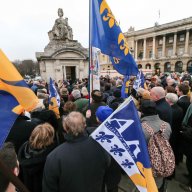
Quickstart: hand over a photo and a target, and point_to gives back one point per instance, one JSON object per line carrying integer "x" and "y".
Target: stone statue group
{"x": 61, "y": 30}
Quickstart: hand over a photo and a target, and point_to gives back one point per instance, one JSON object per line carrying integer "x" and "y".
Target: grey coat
{"x": 155, "y": 122}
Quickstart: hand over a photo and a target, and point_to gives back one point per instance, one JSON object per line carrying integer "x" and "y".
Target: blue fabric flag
{"x": 54, "y": 99}
{"x": 124, "y": 94}
{"x": 9, "y": 113}
{"x": 122, "y": 137}
{"x": 108, "y": 37}
{"x": 139, "y": 82}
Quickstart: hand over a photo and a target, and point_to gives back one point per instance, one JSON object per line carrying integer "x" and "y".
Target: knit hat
{"x": 76, "y": 94}
{"x": 103, "y": 112}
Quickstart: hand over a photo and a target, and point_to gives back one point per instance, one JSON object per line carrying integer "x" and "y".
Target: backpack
{"x": 161, "y": 154}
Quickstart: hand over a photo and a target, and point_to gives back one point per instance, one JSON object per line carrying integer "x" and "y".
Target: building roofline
{"x": 161, "y": 27}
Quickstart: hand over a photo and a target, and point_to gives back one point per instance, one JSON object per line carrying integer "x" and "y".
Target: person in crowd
{"x": 151, "y": 118}
{"x": 113, "y": 174}
{"x": 147, "y": 83}
{"x": 35, "y": 86}
{"x": 119, "y": 84}
{"x": 142, "y": 94}
{"x": 171, "y": 82}
{"x": 117, "y": 99}
{"x": 9, "y": 158}
{"x": 21, "y": 131}
{"x": 79, "y": 164}
{"x": 184, "y": 101}
{"x": 164, "y": 111}
{"x": 177, "y": 117}
{"x": 69, "y": 106}
{"x": 45, "y": 116}
{"x": 85, "y": 93}
{"x": 107, "y": 92}
{"x": 186, "y": 138}
{"x": 170, "y": 89}
{"x": 32, "y": 156}
{"x": 81, "y": 103}
{"x": 97, "y": 100}
{"x": 64, "y": 94}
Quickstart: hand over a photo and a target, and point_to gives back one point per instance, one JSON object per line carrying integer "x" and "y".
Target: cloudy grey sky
{"x": 24, "y": 23}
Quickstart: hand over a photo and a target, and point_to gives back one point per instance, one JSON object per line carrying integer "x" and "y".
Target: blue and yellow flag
{"x": 9, "y": 111}
{"x": 54, "y": 99}
{"x": 12, "y": 82}
{"x": 122, "y": 137}
{"x": 107, "y": 36}
{"x": 15, "y": 96}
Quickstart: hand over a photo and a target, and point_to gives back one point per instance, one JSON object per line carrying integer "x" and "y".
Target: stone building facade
{"x": 162, "y": 48}
{"x": 63, "y": 57}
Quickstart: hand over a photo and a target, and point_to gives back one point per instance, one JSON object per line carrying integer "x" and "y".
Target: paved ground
{"x": 173, "y": 185}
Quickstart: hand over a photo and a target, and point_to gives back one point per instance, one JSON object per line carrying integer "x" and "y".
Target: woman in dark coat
{"x": 32, "y": 156}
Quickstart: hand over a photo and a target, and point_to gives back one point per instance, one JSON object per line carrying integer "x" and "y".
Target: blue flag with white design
{"x": 54, "y": 99}
{"x": 139, "y": 82}
{"x": 122, "y": 137}
{"x": 108, "y": 37}
{"x": 53, "y": 92}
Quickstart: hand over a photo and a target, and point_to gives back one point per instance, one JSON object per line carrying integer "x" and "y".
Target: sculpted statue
{"x": 61, "y": 30}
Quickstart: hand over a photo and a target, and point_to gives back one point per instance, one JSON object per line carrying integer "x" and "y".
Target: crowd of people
{"x": 58, "y": 154}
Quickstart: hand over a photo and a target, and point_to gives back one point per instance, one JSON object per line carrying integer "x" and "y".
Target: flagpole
{"x": 90, "y": 55}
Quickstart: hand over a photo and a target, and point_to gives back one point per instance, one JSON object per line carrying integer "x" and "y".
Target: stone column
{"x": 64, "y": 70}
{"x": 144, "y": 49}
{"x": 136, "y": 50}
{"x": 174, "y": 45}
{"x": 153, "y": 56}
{"x": 163, "y": 49}
{"x": 77, "y": 72}
{"x": 186, "y": 43}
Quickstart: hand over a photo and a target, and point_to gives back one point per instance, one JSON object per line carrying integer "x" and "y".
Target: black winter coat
{"x": 164, "y": 111}
{"x": 78, "y": 165}
{"x": 31, "y": 166}
{"x": 21, "y": 131}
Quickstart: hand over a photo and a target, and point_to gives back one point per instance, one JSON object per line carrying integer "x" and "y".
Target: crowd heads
{"x": 74, "y": 123}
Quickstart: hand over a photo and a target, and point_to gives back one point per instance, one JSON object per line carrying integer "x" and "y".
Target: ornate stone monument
{"x": 63, "y": 57}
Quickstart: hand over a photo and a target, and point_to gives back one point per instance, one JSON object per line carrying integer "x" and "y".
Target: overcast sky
{"x": 24, "y": 23}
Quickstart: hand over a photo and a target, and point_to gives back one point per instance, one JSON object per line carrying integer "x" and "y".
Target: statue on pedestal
{"x": 61, "y": 30}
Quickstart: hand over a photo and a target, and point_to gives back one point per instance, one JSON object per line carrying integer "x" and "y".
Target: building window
{"x": 150, "y": 54}
{"x": 182, "y": 37}
{"x": 180, "y": 51}
{"x": 170, "y": 52}
{"x": 159, "y": 52}
{"x": 140, "y": 55}
{"x": 178, "y": 66}
{"x": 160, "y": 41}
{"x": 167, "y": 67}
{"x": 170, "y": 40}
{"x": 147, "y": 66}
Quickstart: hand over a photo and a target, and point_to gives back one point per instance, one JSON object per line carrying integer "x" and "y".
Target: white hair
{"x": 172, "y": 97}
{"x": 159, "y": 92}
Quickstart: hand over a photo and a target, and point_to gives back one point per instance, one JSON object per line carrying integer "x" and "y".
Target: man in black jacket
{"x": 79, "y": 164}
{"x": 164, "y": 111}
{"x": 184, "y": 100}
